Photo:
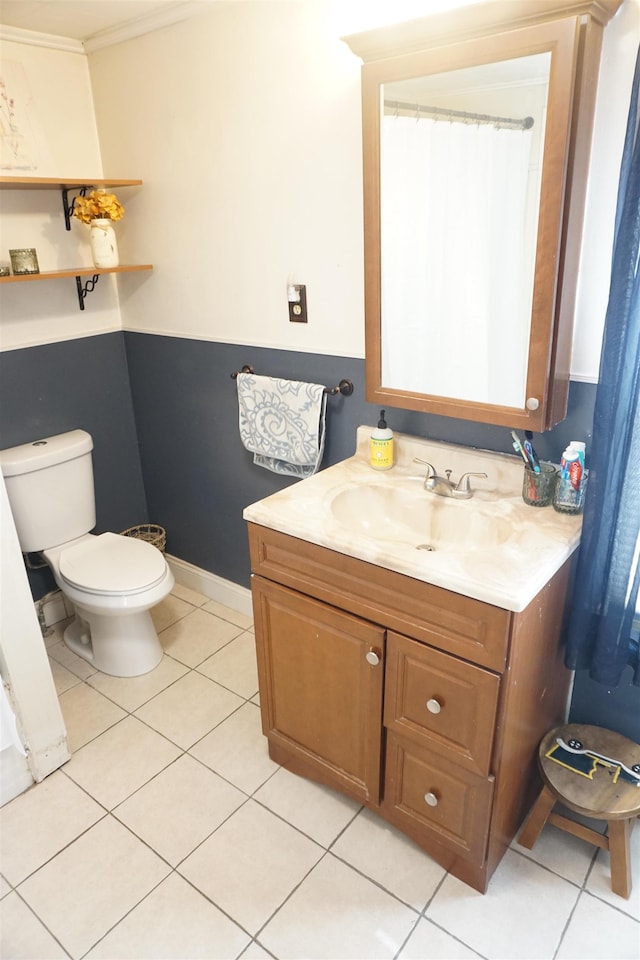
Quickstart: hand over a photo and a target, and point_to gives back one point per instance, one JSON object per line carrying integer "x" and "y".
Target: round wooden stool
{"x": 596, "y": 773}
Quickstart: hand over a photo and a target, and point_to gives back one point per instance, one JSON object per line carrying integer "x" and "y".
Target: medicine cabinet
{"x": 477, "y": 127}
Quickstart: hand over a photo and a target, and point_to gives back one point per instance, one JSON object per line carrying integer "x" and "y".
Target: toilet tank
{"x": 50, "y": 488}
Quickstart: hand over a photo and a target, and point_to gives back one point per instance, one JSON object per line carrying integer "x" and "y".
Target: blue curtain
{"x": 607, "y": 576}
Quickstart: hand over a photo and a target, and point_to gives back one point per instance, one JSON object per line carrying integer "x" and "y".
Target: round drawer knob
{"x": 373, "y": 658}
{"x": 532, "y": 403}
{"x": 433, "y": 706}
{"x": 431, "y": 799}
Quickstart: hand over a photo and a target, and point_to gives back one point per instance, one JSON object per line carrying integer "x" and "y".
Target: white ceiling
{"x": 83, "y": 20}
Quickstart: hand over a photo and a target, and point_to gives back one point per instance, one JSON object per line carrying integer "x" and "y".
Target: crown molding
{"x": 35, "y": 39}
{"x": 173, "y": 13}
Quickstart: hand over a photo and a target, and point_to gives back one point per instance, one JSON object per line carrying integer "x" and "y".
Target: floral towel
{"x": 282, "y": 422}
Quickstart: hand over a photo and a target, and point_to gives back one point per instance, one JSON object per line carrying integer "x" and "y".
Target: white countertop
{"x": 532, "y": 544}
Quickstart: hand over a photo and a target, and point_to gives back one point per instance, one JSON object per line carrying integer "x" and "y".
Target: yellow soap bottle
{"x": 381, "y": 446}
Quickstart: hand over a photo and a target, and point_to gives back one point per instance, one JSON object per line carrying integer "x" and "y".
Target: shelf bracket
{"x": 87, "y": 288}
{"x": 68, "y": 207}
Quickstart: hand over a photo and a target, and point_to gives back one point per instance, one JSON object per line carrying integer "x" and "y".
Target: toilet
{"x": 111, "y": 580}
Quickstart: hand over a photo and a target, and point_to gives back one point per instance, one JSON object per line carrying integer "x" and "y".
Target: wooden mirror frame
{"x": 572, "y": 32}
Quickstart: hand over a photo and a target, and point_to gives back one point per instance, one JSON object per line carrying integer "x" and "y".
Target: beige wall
{"x": 57, "y": 116}
{"x": 244, "y": 123}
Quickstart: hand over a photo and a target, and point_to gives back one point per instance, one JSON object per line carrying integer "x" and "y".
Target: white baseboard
{"x": 216, "y": 588}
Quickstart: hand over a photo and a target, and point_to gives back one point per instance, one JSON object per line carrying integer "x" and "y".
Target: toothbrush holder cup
{"x": 538, "y": 488}
{"x": 568, "y": 499}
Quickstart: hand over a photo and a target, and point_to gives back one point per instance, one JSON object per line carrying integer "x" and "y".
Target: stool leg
{"x": 619, "y": 835}
{"x": 537, "y": 818}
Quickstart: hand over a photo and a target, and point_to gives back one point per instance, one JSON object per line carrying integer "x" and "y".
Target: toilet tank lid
{"x": 29, "y": 457}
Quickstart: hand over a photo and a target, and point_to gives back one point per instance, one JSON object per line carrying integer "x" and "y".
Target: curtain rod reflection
{"x": 397, "y": 107}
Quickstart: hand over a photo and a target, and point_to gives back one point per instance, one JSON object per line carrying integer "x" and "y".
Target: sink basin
{"x": 407, "y": 513}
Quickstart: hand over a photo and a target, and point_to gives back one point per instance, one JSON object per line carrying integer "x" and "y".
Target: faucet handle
{"x": 425, "y": 463}
{"x": 463, "y": 483}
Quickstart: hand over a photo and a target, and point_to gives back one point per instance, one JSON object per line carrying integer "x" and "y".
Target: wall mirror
{"x": 473, "y": 194}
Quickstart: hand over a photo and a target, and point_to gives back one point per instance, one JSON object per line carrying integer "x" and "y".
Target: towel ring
{"x": 345, "y": 387}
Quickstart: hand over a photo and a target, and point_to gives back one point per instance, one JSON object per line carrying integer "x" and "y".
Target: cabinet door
{"x": 441, "y": 702}
{"x": 320, "y": 673}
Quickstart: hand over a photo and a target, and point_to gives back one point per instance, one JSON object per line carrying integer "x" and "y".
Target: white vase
{"x": 104, "y": 246}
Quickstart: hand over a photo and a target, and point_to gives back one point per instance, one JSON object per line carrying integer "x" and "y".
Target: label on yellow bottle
{"x": 381, "y": 454}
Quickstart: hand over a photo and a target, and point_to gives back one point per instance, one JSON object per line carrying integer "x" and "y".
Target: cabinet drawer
{"x": 441, "y": 703}
{"x": 424, "y": 790}
{"x": 460, "y": 625}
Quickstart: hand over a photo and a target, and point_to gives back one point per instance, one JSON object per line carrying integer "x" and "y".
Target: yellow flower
{"x": 98, "y": 204}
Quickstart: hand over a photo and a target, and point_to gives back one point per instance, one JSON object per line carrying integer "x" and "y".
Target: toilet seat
{"x": 112, "y": 564}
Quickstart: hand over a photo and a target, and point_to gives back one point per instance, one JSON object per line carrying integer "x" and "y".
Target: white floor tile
{"x": 173, "y": 923}
{"x": 336, "y": 913}
{"x": 22, "y": 936}
{"x": 92, "y": 884}
{"x": 428, "y": 942}
{"x": 87, "y": 714}
{"x": 235, "y": 666}
{"x": 561, "y": 852}
{"x": 60, "y": 652}
{"x": 39, "y": 823}
{"x": 599, "y": 880}
{"x": 179, "y": 808}
{"x": 131, "y": 692}
{"x": 120, "y": 761}
{"x": 520, "y": 917}
{"x": 226, "y": 613}
{"x": 169, "y": 611}
{"x": 191, "y": 596}
{"x": 255, "y": 952}
{"x": 237, "y": 750}
{"x": 251, "y": 864}
{"x": 318, "y": 811}
{"x": 197, "y": 636}
{"x": 62, "y": 678}
{"x": 385, "y": 855}
{"x": 188, "y": 709}
{"x": 599, "y": 932}
{"x": 103, "y": 883}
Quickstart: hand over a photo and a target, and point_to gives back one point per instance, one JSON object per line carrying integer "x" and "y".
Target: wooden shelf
{"x": 50, "y": 183}
{"x": 64, "y": 186}
{"x": 93, "y": 274}
{"x": 76, "y": 272}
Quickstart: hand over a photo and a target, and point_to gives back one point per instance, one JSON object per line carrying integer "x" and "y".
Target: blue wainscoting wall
{"x": 163, "y": 415}
{"x": 81, "y": 383}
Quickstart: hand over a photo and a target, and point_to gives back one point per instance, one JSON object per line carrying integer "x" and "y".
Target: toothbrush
{"x": 517, "y": 446}
{"x": 528, "y": 446}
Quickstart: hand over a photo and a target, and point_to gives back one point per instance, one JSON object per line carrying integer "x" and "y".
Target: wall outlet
{"x": 297, "y": 297}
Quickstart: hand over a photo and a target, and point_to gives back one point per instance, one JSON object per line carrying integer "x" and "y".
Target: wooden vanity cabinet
{"x": 425, "y": 705}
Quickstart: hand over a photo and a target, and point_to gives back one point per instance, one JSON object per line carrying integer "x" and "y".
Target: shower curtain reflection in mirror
{"x": 458, "y": 229}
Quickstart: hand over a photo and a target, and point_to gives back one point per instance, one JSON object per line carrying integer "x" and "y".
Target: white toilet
{"x": 112, "y": 581}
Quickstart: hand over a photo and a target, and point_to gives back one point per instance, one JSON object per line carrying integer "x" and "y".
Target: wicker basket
{"x": 150, "y": 532}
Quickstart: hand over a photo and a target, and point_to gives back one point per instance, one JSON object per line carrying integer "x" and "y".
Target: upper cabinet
{"x": 476, "y": 138}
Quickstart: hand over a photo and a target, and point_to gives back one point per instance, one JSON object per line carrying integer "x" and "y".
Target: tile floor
{"x": 170, "y": 833}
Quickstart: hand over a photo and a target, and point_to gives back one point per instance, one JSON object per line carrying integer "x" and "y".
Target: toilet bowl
{"x": 113, "y": 582}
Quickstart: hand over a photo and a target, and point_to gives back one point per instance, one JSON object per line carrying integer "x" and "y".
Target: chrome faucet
{"x": 444, "y": 486}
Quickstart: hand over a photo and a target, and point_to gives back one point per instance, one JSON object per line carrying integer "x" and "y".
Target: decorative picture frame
{"x": 24, "y": 261}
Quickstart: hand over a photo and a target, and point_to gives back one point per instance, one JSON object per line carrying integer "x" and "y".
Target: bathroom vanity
{"x": 410, "y": 657}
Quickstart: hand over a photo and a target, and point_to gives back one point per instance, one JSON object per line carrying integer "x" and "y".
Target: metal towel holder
{"x": 345, "y": 387}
